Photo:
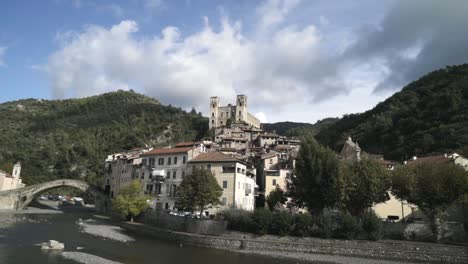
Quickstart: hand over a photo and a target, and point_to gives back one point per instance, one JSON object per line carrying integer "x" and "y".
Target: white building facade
{"x": 233, "y": 176}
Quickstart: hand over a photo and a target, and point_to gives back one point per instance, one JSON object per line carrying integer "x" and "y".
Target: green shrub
{"x": 238, "y": 219}
{"x": 302, "y": 224}
{"x": 372, "y": 226}
{"x": 348, "y": 226}
{"x": 324, "y": 225}
{"x": 281, "y": 223}
{"x": 262, "y": 220}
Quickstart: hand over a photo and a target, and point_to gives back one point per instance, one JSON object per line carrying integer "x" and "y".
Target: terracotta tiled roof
{"x": 214, "y": 157}
{"x": 186, "y": 144}
{"x": 167, "y": 151}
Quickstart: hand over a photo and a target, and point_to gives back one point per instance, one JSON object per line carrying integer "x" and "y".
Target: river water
{"x": 20, "y": 233}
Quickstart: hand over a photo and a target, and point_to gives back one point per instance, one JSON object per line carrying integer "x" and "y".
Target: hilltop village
{"x": 247, "y": 162}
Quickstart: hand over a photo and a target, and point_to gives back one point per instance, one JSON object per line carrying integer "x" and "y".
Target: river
{"x": 19, "y": 235}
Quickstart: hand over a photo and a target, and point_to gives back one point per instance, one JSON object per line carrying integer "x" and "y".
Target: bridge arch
{"x": 19, "y": 198}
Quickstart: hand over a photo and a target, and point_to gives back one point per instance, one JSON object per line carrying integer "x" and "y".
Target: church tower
{"x": 241, "y": 108}
{"x": 214, "y": 108}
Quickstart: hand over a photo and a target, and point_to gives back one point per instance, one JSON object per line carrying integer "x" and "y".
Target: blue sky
{"x": 296, "y": 60}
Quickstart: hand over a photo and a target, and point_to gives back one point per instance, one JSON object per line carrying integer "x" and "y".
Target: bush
{"x": 348, "y": 226}
{"x": 302, "y": 224}
{"x": 281, "y": 223}
{"x": 262, "y": 220}
{"x": 372, "y": 225}
{"x": 324, "y": 225}
{"x": 238, "y": 219}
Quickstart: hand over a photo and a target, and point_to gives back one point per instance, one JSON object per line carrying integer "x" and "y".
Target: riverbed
{"x": 20, "y": 235}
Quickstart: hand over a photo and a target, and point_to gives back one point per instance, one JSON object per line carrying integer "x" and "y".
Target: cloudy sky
{"x": 295, "y": 60}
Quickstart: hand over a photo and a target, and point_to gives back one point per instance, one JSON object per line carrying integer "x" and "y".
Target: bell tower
{"x": 214, "y": 108}
{"x": 241, "y": 108}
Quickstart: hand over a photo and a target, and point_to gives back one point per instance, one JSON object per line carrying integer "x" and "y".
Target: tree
{"x": 275, "y": 197}
{"x": 317, "y": 182}
{"x": 431, "y": 187}
{"x": 130, "y": 202}
{"x": 366, "y": 182}
{"x": 198, "y": 190}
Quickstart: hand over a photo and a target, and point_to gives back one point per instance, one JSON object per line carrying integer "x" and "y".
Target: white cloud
{"x": 272, "y": 12}
{"x": 2, "y": 53}
{"x": 262, "y": 117}
{"x": 153, "y": 4}
{"x": 287, "y": 70}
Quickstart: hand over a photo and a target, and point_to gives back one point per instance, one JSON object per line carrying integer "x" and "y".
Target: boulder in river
{"x": 52, "y": 244}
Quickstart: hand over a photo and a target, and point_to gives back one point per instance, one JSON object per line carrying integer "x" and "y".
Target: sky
{"x": 296, "y": 60}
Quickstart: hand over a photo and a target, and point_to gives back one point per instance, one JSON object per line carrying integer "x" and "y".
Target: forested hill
{"x": 429, "y": 115}
{"x": 71, "y": 138}
{"x": 294, "y": 129}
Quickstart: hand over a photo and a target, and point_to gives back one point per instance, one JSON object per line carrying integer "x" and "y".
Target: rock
{"x": 52, "y": 244}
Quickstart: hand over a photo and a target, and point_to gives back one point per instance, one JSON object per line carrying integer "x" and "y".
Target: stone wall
{"x": 419, "y": 231}
{"x": 392, "y": 250}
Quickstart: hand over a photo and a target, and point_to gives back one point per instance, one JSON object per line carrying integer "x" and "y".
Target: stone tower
{"x": 214, "y": 108}
{"x": 241, "y": 108}
{"x": 16, "y": 170}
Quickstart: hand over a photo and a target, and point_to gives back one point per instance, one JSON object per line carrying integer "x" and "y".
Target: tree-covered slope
{"x": 71, "y": 138}
{"x": 429, "y": 115}
{"x": 288, "y": 128}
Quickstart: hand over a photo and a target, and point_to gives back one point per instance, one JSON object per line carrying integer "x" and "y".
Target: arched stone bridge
{"x": 18, "y": 199}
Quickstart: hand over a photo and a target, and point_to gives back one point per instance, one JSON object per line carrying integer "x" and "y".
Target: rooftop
{"x": 167, "y": 151}
{"x": 187, "y": 144}
{"x": 214, "y": 157}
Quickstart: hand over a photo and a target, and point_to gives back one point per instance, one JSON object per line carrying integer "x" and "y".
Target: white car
{"x": 77, "y": 199}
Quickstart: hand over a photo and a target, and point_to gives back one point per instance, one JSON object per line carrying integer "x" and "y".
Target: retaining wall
{"x": 398, "y": 250}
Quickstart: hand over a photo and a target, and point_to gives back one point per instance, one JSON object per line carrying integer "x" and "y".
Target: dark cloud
{"x": 414, "y": 38}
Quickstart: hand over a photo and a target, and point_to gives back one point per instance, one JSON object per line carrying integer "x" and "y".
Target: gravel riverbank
{"x": 86, "y": 258}
{"x": 100, "y": 229}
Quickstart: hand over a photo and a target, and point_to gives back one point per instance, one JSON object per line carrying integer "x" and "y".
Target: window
{"x": 142, "y": 175}
{"x": 271, "y": 161}
{"x": 239, "y": 112}
{"x": 221, "y": 122}
{"x": 183, "y": 174}
{"x": 208, "y": 167}
{"x": 174, "y": 174}
{"x": 144, "y": 162}
{"x": 168, "y": 175}
{"x": 212, "y": 114}
{"x": 161, "y": 161}
{"x": 225, "y": 184}
{"x": 274, "y": 182}
{"x": 184, "y": 159}
{"x": 175, "y": 160}
{"x": 169, "y": 161}
{"x": 223, "y": 201}
{"x": 221, "y": 114}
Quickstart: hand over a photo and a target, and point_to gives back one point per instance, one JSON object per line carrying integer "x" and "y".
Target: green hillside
{"x": 296, "y": 128}
{"x": 71, "y": 138}
{"x": 427, "y": 116}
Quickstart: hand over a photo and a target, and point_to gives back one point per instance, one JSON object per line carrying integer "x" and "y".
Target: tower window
{"x": 212, "y": 114}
